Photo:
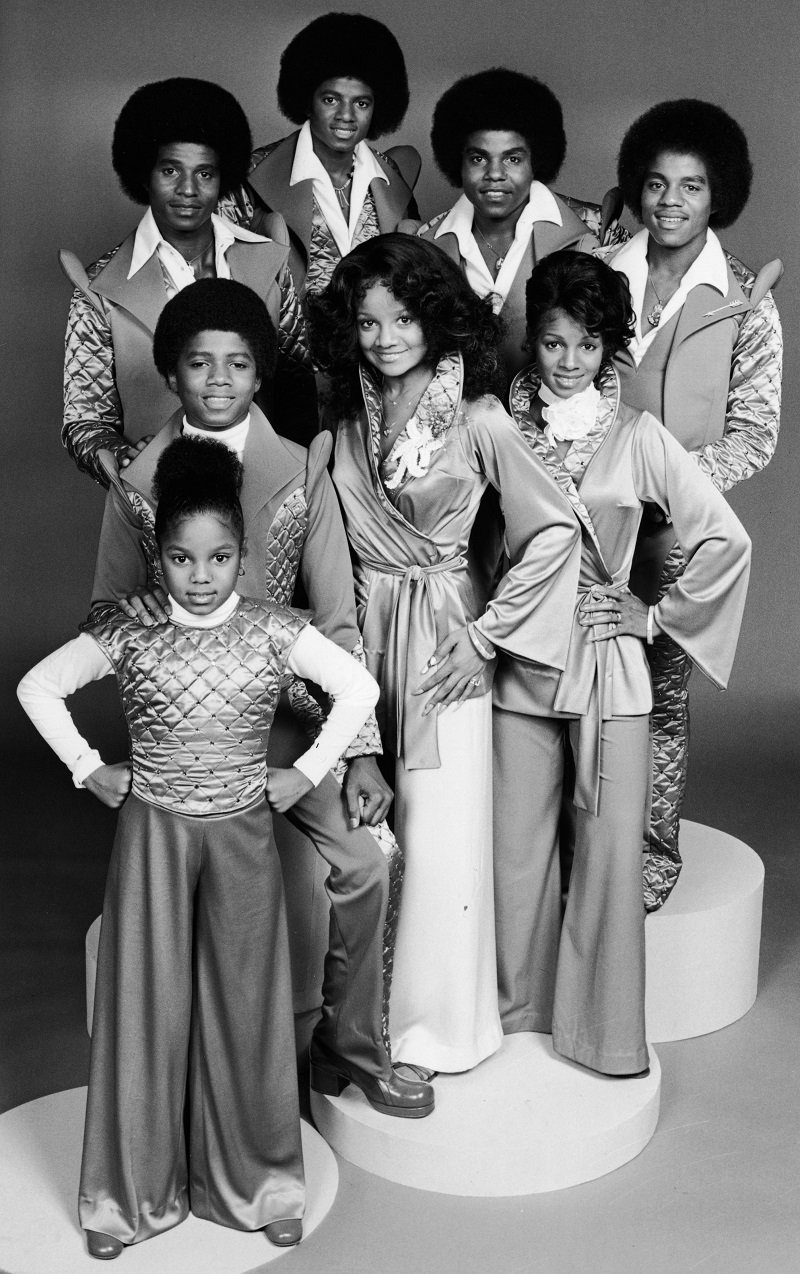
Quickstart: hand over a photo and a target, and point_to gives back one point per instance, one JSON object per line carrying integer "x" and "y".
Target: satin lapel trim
{"x": 144, "y": 296}
{"x": 270, "y": 180}
{"x": 390, "y": 201}
{"x": 704, "y": 306}
{"x": 269, "y": 466}
{"x": 434, "y": 399}
{"x": 524, "y": 389}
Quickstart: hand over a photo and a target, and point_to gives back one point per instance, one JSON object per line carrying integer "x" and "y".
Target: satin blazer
{"x": 270, "y": 181}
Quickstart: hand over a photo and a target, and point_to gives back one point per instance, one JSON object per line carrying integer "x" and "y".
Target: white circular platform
{"x": 523, "y": 1122}
{"x": 703, "y": 945}
{"x": 40, "y": 1155}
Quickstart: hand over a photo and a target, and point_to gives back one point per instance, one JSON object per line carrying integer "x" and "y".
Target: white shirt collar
{"x": 541, "y": 206}
{"x": 709, "y": 268}
{"x": 148, "y": 239}
{"x": 186, "y": 619}
{"x": 308, "y": 167}
{"x": 234, "y": 437}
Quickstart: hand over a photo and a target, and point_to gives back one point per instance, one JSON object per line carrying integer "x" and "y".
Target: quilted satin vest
{"x": 199, "y": 704}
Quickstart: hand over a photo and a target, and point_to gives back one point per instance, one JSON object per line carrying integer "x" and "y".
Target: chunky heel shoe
{"x": 284, "y": 1233}
{"x": 393, "y": 1095}
{"x": 104, "y": 1247}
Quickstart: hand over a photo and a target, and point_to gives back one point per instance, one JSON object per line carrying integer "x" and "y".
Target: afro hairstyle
{"x": 499, "y": 99}
{"x": 215, "y": 305}
{"x": 589, "y": 292}
{"x": 345, "y": 44}
{"x": 688, "y": 126}
{"x": 179, "y": 110}
{"x": 198, "y": 475}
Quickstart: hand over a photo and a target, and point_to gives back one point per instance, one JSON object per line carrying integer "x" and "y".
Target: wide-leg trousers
{"x": 581, "y": 977}
{"x": 358, "y": 890}
{"x": 192, "y": 1098}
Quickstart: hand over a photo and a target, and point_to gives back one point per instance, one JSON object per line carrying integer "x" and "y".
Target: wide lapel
{"x": 144, "y": 295}
{"x": 392, "y": 200}
{"x": 524, "y": 389}
{"x": 140, "y": 473}
{"x": 548, "y": 237}
{"x": 704, "y": 306}
{"x": 270, "y": 180}
{"x": 256, "y": 264}
{"x": 270, "y": 466}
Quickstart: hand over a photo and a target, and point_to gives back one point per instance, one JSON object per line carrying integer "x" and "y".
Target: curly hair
{"x": 179, "y": 110}
{"x": 351, "y": 45}
{"x": 215, "y": 305}
{"x": 499, "y": 99}
{"x": 198, "y": 475}
{"x": 432, "y": 287}
{"x": 589, "y": 292}
{"x": 688, "y": 126}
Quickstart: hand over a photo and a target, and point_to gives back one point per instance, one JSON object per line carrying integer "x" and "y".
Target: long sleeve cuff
{"x": 43, "y": 690}
{"x": 353, "y": 690}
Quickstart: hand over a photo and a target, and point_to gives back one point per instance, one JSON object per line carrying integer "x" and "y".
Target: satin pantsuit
{"x": 188, "y": 1005}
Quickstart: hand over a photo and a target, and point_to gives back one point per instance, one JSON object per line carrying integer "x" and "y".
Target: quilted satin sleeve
{"x": 753, "y": 411}
{"x": 92, "y": 409}
{"x": 292, "y": 334}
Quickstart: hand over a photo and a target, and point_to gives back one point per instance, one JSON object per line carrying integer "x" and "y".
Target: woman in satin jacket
{"x": 706, "y": 360}
{"x": 413, "y": 356}
{"x": 584, "y": 979}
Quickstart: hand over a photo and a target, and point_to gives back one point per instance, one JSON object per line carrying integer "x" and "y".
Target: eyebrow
{"x": 698, "y": 177}
{"x": 239, "y": 352}
{"x": 513, "y": 150}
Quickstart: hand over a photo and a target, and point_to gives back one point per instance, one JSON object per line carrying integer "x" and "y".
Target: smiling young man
{"x": 343, "y": 81}
{"x": 177, "y": 145}
{"x": 500, "y": 136}
{"x": 215, "y": 345}
{"x": 706, "y": 360}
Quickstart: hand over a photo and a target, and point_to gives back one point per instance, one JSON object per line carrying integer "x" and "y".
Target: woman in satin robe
{"x": 413, "y": 357}
{"x": 583, "y": 979}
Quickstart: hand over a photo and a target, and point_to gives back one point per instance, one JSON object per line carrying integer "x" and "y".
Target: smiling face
{"x": 496, "y": 172}
{"x": 340, "y": 114}
{"x": 390, "y": 338}
{"x": 676, "y": 200}
{"x": 184, "y": 188}
{"x": 215, "y": 379}
{"x": 200, "y": 558}
{"x": 567, "y": 356}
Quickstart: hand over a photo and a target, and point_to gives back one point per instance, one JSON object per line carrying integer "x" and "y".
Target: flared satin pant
{"x": 583, "y": 978}
{"x": 193, "y": 1100}
{"x": 443, "y": 1006}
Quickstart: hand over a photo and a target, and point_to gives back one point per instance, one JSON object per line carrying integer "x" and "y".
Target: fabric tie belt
{"x": 410, "y": 642}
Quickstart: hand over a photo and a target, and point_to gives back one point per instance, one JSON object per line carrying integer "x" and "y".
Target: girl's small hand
{"x": 455, "y": 670}
{"x": 613, "y": 613}
{"x": 284, "y": 787}
{"x": 110, "y": 783}
{"x": 134, "y": 448}
{"x": 149, "y": 605}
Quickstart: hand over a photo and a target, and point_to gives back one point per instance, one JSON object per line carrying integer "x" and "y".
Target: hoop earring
{"x": 241, "y": 570}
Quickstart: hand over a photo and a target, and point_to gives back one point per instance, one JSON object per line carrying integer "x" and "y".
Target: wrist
{"x": 481, "y": 644}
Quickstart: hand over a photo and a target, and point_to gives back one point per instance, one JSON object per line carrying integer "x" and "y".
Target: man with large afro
{"x": 178, "y": 145}
{"x": 343, "y": 82}
{"x": 706, "y": 360}
{"x": 499, "y": 135}
{"x": 294, "y": 538}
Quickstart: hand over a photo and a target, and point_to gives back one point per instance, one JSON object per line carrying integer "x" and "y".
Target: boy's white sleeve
{"x": 43, "y": 690}
{"x": 353, "y": 690}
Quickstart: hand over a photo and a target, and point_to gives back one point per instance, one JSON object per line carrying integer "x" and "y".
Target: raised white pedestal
{"x": 40, "y": 1157}
{"x": 702, "y": 946}
{"x": 523, "y": 1122}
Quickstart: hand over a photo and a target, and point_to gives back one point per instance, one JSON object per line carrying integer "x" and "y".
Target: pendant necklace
{"x": 402, "y": 400}
{"x": 654, "y": 316}
{"x": 343, "y": 195}
{"x": 498, "y": 265}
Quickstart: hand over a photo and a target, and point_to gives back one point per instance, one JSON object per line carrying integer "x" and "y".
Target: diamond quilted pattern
{"x": 199, "y": 704}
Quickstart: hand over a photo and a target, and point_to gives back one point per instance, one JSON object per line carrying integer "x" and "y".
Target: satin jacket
{"x": 629, "y": 459}
{"x": 293, "y": 530}
{"x": 111, "y": 384}
{"x": 267, "y": 189}
{"x": 574, "y": 232}
{"x": 408, "y": 520}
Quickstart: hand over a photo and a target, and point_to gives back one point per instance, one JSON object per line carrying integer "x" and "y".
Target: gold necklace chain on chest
{"x": 401, "y": 402}
{"x": 654, "y": 315}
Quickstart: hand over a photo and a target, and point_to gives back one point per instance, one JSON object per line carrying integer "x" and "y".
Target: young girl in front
{"x": 584, "y": 979}
{"x": 193, "y": 1001}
